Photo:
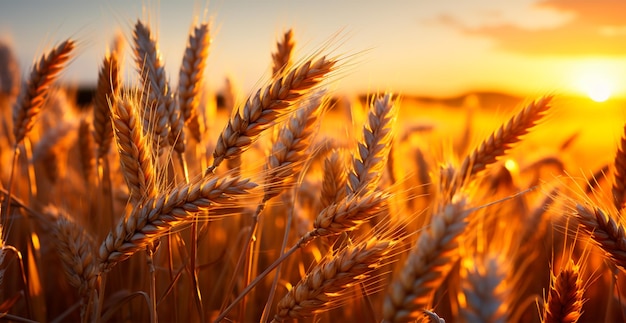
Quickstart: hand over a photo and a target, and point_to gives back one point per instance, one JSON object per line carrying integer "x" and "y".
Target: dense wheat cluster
{"x": 156, "y": 203}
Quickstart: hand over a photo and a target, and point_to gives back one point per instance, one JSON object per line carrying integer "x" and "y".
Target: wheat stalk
{"x": 284, "y": 51}
{"x": 286, "y": 158}
{"x": 565, "y": 297}
{"x": 330, "y": 280}
{"x": 189, "y": 84}
{"x": 136, "y": 156}
{"x": 429, "y": 262}
{"x": 501, "y": 140}
{"x": 266, "y": 106}
{"x": 346, "y": 215}
{"x": 606, "y": 232}
{"x": 191, "y": 76}
{"x": 155, "y": 216}
{"x": 373, "y": 151}
{"x": 33, "y": 96}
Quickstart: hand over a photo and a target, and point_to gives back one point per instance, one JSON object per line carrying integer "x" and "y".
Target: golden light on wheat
{"x": 155, "y": 202}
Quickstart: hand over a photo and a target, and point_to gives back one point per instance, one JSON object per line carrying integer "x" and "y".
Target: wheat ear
{"x": 501, "y": 140}
{"x": 108, "y": 88}
{"x": 349, "y": 213}
{"x": 284, "y": 51}
{"x": 189, "y": 84}
{"x": 76, "y": 250}
{"x": 432, "y": 317}
{"x": 330, "y": 280}
{"x": 87, "y": 150}
{"x": 346, "y": 215}
{"x": 286, "y": 158}
{"x": 428, "y": 264}
{"x": 287, "y": 155}
{"x": 334, "y": 180}
{"x": 136, "y": 157}
{"x": 373, "y": 151}
{"x": 606, "y": 232}
{"x": 191, "y": 77}
{"x": 619, "y": 174}
{"x": 44, "y": 73}
{"x": 565, "y": 298}
{"x": 266, "y": 106}
{"x": 155, "y": 216}
{"x": 484, "y": 293}
{"x": 10, "y": 75}
{"x": 51, "y": 150}
{"x": 160, "y": 101}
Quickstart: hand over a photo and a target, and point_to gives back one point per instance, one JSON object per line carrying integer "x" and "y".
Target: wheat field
{"x": 156, "y": 203}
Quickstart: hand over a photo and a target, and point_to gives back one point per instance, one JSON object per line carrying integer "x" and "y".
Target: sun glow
{"x": 595, "y": 81}
{"x": 597, "y": 88}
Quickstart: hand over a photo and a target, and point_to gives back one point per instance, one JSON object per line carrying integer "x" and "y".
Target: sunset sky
{"x": 435, "y": 48}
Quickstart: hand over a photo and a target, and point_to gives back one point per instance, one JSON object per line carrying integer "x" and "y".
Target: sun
{"x": 597, "y": 88}
{"x": 596, "y": 83}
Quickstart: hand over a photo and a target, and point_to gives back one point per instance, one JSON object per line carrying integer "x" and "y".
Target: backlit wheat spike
{"x": 34, "y": 94}
{"x": 334, "y": 180}
{"x": 606, "y": 232}
{"x": 349, "y": 213}
{"x": 136, "y": 156}
{"x": 156, "y": 216}
{"x": 288, "y": 151}
{"x": 484, "y": 291}
{"x": 191, "y": 77}
{"x": 75, "y": 247}
{"x": 565, "y": 297}
{"x": 373, "y": 151}
{"x": 332, "y": 278}
{"x": 284, "y": 51}
{"x": 501, "y": 140}
{"x": 87, "y": 150}
{"x": 160, "y": 103}
{"x": 428, "y": 264}
{"x": 51, "y": 150}
{"x": 432, "y": 317}
{"x": 619, "y": 174}
{"x": 266, "y": 106}
{"x": 109, "y": 82}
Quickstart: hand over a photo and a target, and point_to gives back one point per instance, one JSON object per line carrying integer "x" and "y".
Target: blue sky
{"x": 416, "y": 47}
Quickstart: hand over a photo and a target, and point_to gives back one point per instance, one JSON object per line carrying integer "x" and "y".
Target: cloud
{"x": 596, "y": 28}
